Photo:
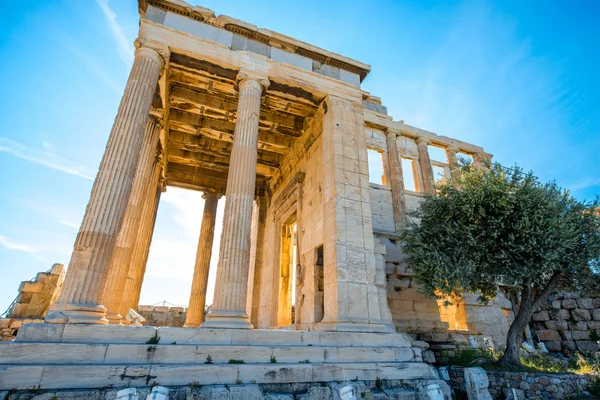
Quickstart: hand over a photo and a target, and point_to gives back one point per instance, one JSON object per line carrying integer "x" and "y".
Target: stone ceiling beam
{"x": 206, "y": 145}
{"x": 278, "y": 97}
{"x": 180, "y": 156}
{"x": 226, "y": 108}
{"x": 197, "y": 178}
{"x": 268, "y": 139}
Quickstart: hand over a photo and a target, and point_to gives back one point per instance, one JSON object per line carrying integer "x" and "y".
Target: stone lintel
{"x": 187, "y": 44}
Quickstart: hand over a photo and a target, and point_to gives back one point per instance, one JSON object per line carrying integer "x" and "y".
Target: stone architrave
{"x": 195, "y": 311}
{"x": 425, "y": 163}
{"x": 396, "y": 181}
{"x": 229, "y": 306}
{"x": 80, "y": 300}
{"x": 129, "y": 233}
{"x": 452, "y": 159}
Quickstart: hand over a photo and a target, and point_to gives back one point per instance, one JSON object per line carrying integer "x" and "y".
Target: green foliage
{"x": 208, "y": 360}
{"x": 466, "y": 357}
{"x": 194, "y": 385}
{"x": 594, "y": 388}
{"x": 543, "y": 363}
{"x": 489, "y": 226}
{"x": 304, "y": 362}
{"x": 594, "y": 336}
{"x": 232, "y": 361}
{"x": 273, "y": 360}
{"x": 154, "y": 339}
{"x": 378, "y": 383}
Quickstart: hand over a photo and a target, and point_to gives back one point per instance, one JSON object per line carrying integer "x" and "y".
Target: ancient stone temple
{"x": 282, "y": 132}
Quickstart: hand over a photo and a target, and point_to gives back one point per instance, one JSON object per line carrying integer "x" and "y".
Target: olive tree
{"x": 494, "y": 226}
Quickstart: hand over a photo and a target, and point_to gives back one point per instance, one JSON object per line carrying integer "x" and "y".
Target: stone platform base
{"x": 48, "y": 356}
{"x": 380, "y": 390}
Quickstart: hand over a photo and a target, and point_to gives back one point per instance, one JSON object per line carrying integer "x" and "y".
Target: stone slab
{"x": 107, "y": 334}
{"x": 127, "y": 354}
{"x": 99, "y": 376}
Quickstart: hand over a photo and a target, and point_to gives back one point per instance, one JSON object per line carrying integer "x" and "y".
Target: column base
{"x": 227, "y": 320}
{"x": 114, "y": 319}
{"x": 77, "y": 314}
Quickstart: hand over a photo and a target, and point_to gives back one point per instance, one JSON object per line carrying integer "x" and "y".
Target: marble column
{"x": 396, "y": 176}
{"x": 482, "y": 159}
{"x": 229, "y": 305}
{"x": 195, "y": 312}
{"x": 261, "y": 203}
{"x": 80, "y": 300}
{"x": 425, "y": 164}
{"x": 452, "y": 160}
{"x": 137, "y": 268}
{"x": 129, "y": 233}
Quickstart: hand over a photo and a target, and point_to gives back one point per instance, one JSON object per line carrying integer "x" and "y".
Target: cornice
{"x": 264, "y": 36}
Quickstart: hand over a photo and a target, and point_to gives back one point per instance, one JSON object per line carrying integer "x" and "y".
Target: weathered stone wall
{"x": 528, "y": 385}
{"x": 416, "y": 314}
{"x": 306, "y": 157}
{"x": 568, "y": 322}
{"x": 162, "y": 316}
{"x": 33, "y": 300}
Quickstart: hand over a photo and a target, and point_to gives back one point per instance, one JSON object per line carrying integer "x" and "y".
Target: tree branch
{"x": 552, "y": 283}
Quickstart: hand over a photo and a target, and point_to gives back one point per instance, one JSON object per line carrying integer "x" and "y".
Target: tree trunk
{"x": 528, "y": 305}
{"x": 511, "y": 354}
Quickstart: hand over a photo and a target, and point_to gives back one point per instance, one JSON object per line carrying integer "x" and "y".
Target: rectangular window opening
{"x": 376, "y": 167}
{"x": 439, "y": 173}
{"x": 408, "y": 174}
{"x": 437, "y": 154}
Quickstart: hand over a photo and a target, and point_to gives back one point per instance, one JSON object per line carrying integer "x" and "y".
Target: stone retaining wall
{"x": 528, "y": 385}
{"x": 162, "y": 315}
{"x": 569, "y": 322}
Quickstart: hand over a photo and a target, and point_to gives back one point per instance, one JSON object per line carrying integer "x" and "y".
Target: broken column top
{"x": 265, "y": 36}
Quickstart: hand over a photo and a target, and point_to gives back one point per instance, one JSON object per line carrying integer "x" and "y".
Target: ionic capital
{"x": 423, "y": 140}
{"x": 212, "y": 194}
{"x": 394, "y": 133}
{"x": 158, "y": 51}
{"x": 244, "y": 77}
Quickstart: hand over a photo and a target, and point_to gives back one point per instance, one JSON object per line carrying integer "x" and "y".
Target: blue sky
{"x": 518, "y": 78}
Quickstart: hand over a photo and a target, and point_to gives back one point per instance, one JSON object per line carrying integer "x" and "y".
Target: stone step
{"x": 124, "y": 354}
{"x": 101, "y": 376}
{"x": 74, "y": 333}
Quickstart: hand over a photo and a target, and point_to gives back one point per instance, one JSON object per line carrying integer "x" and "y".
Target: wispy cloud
{"x": 44, "y": 158}
{"x": 125, "y": 50}
{"x": 70, "y": 224}
{"x": 16, "y": 246}
{"x": 588, "y": 183}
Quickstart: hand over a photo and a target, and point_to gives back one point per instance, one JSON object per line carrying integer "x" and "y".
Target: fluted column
{"x": 195, "y": 311}
{"x": 80, "y": 300}
{"x": 396, "y": 181}
{"x": 425, "y": 164}
{"x": 229, "y": 306}
{"x": 137, "y": 268}
{"x": 261, "y": 202}
{"x": 452, "y": 160}
{"x": 129, "y": 233}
